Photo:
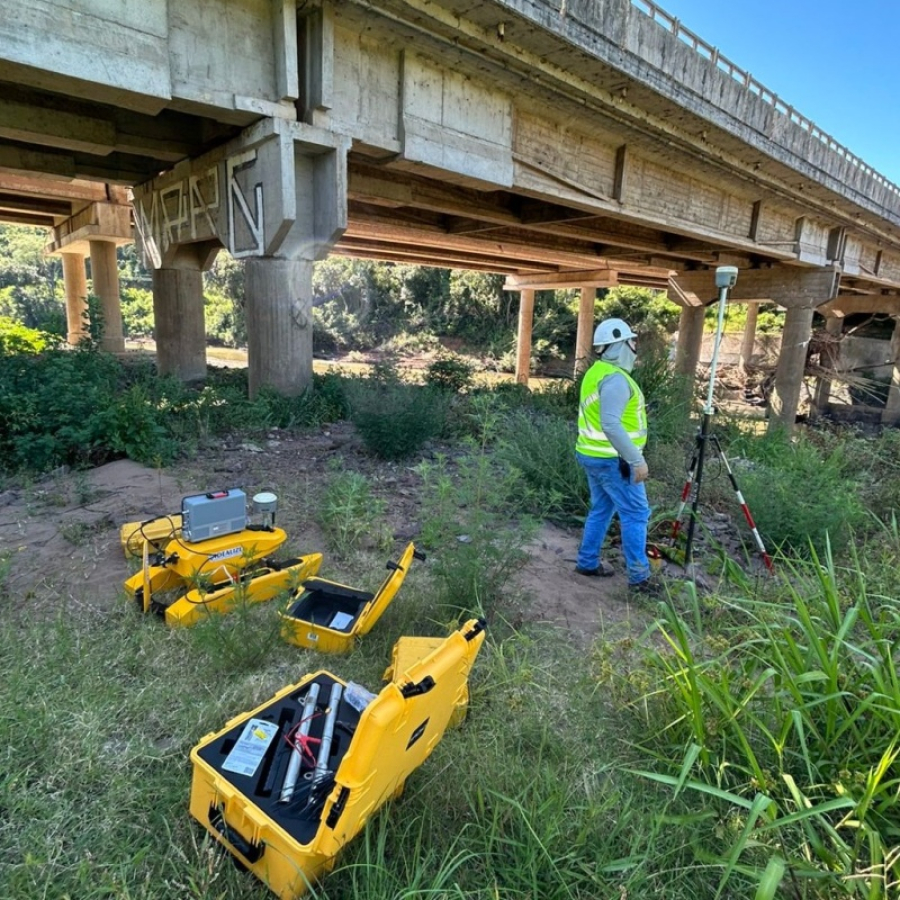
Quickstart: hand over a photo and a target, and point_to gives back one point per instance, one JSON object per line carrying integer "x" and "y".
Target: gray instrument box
{"x": 205, "y": 516}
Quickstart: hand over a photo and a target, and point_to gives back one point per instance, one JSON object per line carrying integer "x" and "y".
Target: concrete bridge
{"x": 566, "y": 143}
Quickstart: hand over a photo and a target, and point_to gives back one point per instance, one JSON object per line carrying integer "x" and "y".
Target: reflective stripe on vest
{"x": 592, "y": 440}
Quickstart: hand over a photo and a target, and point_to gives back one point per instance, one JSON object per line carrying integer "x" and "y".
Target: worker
{"x": 612, "y": 433}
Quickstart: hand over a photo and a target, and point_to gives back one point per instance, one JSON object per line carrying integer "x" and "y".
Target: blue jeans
{"x": 611, "y": 493}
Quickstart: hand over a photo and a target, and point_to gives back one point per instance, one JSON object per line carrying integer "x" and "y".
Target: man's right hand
{"x": 640, "y": 473}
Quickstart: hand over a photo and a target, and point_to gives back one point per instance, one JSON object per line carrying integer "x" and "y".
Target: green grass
{"x": 744, "y": 745}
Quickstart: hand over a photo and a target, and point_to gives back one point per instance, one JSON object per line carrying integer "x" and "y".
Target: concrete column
{"x": 178, "y": 324}
{"x": 690, "y": 337}
{"x": 278, "y": 295}
{"x": 75, "y": 279}
{"x": 749, "y": 336}
{"x": 828, "y": 357}
{"x": 584, "y": 340}
{"x": 105, "y": 278}
{"x": 791, "y": 365}
{"x": 891, "y": 414}
{"x": 523, "y": 341}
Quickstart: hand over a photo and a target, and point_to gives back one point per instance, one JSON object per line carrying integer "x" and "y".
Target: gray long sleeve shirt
{"x": 615, "y": 393}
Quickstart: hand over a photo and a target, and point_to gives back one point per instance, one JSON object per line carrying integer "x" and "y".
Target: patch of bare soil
{"x": 63, "y": 531}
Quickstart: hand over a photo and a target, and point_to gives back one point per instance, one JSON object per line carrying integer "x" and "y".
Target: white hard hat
{"x": 609, "y": 331}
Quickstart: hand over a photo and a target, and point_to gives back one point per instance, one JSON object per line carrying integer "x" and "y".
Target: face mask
{"x": 620, "y": 354}
{"x": 626, "y": 358}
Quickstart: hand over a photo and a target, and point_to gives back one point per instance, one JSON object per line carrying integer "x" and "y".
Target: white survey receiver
{"x": 205, "y": 516}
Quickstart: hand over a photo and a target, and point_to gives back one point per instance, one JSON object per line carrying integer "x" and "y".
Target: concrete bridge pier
{"x": 749, "y": 339}
{"x": 179, "y": 327}
{"x": 278, "y": 296}
{"x": 828, "y": 357}
{"x": 75, "y": 280}
{"x": 105, "y": 281}
{"x": 96, "y": 231}
{"x": 276, "y": 198}
{"x": 891, "y": 414}
{"x": 795, "y": 338}
{"x": 584, "y": 339}
{"x": 690, "y": 338}
{"x": 523, "y": 335}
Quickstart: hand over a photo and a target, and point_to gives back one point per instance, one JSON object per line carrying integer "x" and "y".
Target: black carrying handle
{"x": 250, "y": 851}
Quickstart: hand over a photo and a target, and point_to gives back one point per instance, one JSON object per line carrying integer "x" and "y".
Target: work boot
{"x": 601, "y": 571}
{"x": 649, "y": 587}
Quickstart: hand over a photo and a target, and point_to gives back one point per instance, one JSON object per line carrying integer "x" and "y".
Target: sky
{"x": 837, "y": 62}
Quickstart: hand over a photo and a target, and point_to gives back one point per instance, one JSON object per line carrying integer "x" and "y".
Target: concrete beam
{"x": 55, "y": 128}
{"x": 36, "y": 205}
{"x": 96, "y": 222}
{"x": 128, "y": 63}
{"x": 870, "y": 304}
{"x": 284, "y": 35}
{"x": 69, "y": 190}
{"x": 788, "y": 286}
{"x": 600, "y": 277}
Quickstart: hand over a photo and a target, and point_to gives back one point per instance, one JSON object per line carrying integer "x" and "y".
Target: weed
{"x": 801, "y": 495}
{"x": 6, "y": 561}
{"x": 77, "y": 533}
{"x": 240, "y": 641}
{"x": 470, "y": 519}
{"x": 350, "y": 514}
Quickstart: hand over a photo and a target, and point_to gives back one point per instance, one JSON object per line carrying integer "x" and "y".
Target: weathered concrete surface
{"x": 75, "y": 280}
{"x": 279, "y": 324}
{"x": 791, "y": 365}
{"x": 690, "y": 336}
{"x": 179, "y": 325}
{"x": 105, "y": 281}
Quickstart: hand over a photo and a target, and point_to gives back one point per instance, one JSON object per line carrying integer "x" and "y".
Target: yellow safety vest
{"x": 591, "y": 439}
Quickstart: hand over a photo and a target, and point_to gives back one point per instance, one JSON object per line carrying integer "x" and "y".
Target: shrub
{"x": 51, "y": 405}
{"x": 395, "y": 419}
{"x": 540, "y": 451}
{"x": 451, "y": 373}
{"x": 472, "y": 521}
{"x": 132, "y": 426}
{"x": 800, "y": 495}
{"x": 16, "y": 338}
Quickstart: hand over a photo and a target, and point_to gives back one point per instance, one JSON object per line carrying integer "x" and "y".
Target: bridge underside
{"x": 576, "y": 146}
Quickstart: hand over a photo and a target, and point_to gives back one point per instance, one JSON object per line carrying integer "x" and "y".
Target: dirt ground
{"x": 62, "y": 532}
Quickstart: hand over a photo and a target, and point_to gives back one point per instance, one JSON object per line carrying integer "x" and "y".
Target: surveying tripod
{"x": 726, "y": 276}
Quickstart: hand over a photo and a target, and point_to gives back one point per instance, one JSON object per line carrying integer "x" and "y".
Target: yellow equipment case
{"x": 328, "y": 616}
{"x": 288, "y": 832}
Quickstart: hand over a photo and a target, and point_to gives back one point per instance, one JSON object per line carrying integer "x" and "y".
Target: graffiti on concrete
{"x": 193, "y": 209}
